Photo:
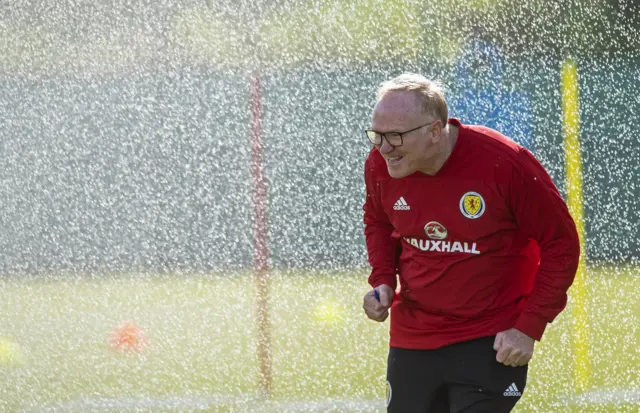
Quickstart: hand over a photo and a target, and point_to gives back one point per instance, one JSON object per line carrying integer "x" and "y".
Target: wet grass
{"x": 201, "y": 344}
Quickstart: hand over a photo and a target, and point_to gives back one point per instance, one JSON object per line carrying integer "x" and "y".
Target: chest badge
{"x": 435, "y": 230}
{"x": 472, "y": 205}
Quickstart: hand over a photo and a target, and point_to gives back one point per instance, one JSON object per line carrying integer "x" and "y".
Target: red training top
{"x": 485, "y": 245}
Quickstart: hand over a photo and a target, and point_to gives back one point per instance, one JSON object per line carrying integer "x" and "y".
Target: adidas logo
{"x": 401, "y": 205}
{"x": 512, "y": 391}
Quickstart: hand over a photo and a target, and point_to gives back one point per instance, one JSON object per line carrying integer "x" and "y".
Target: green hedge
{"x": 150, "y": 170}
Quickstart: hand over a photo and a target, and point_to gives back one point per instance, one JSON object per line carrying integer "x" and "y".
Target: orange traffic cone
{"x": 127, "y": 337}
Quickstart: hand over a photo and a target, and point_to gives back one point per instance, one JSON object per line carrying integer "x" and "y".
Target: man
{"x": 482, "y": 243}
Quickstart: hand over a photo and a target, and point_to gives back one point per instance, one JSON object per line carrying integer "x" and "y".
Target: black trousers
{"x": 460, "y": 378}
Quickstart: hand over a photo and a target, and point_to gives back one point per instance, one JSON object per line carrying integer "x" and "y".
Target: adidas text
{"x": 512, "y": 391}
{"x": 401, "y": 205}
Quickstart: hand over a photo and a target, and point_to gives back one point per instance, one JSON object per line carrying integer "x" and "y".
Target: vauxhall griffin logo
{"x": 437, "y": 242}
{"x": 435, "y": 230}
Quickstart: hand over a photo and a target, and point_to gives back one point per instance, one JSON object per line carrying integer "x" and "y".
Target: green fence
{"x": 150, "y": 170}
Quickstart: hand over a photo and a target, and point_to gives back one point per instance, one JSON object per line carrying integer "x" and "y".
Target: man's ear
{"x": 436, "y": 131}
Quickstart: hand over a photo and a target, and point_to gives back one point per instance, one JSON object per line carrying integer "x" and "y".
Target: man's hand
{"x": 378, "y": 309}
{"x": 514, "y": 348}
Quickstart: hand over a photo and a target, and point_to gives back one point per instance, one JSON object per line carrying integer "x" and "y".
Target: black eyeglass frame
{"x": 399, "y": 134}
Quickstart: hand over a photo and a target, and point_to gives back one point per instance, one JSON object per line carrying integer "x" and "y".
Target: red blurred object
{"x": 128, "y": 337}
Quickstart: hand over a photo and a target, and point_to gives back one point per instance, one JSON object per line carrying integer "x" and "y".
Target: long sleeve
{"x": 381, "y": 246}
{"x": 542, "y": 214}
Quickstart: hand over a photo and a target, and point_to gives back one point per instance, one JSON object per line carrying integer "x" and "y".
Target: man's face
{"x": 400, "y": 111}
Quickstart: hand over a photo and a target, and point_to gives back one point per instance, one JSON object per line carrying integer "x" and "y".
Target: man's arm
{"x": 542, "y": 214}
{"x": 381, "y": 247}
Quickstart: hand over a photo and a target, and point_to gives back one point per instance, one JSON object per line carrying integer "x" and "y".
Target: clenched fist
{"x": 377, "y": 308}
{"x": 513, "y": 347}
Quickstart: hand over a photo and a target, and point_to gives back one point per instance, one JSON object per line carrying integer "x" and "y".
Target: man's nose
{"x": 384, "y": 146}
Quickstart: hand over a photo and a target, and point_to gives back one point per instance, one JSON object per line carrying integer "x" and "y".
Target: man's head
{"x": 407, "y": 124}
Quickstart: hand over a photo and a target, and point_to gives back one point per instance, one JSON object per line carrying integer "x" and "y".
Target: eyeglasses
{"x": 393, "y": 138}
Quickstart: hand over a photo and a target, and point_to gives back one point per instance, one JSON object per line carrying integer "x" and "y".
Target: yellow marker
{"x": 329, "y": 313}
{"x": 573, "y": 168}
{"x": 10, "y": 352}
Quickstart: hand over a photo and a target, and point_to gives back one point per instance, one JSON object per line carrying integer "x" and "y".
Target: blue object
{"x": 481, "y": 98}
{"x": 376, "y": 293}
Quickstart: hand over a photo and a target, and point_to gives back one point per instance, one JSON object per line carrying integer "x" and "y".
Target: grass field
{"x": 201, "y": 352}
